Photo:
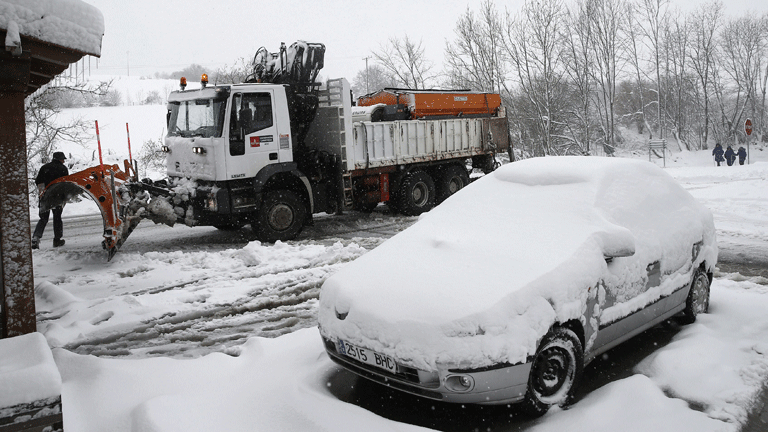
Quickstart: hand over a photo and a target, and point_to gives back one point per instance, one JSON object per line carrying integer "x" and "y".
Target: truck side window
{"x": 251, "y": 112}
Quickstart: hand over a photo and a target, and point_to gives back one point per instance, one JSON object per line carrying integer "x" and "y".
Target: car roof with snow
{"x": 541, "y": 227}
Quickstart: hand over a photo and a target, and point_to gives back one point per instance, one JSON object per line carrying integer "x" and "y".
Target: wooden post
{"x": 16, "y": 278}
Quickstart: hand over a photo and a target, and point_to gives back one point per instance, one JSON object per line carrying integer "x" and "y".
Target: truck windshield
{"x": 200, "y": 117}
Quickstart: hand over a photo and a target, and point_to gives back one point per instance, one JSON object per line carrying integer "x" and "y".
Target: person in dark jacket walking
{"x": 48, "y": 173}
{"x": 730, "y": 155}
{"x": 717, "y": 152}
{"x": 742, "y": 155}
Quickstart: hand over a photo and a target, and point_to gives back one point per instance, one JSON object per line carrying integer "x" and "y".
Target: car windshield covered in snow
{"x": 506, "y": 290}
{"x": 196, "y": 117}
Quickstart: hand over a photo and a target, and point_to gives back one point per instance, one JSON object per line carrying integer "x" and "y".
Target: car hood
{"x": 479, "y": 279}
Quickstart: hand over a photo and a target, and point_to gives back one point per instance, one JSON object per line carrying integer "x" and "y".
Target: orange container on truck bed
{"x": 436, "y": 103}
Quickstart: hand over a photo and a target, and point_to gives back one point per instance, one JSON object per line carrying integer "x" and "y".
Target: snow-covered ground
{"x": 179, "y": 314}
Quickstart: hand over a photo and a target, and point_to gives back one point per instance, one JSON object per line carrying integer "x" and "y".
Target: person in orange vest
{"x": 48, "y": 173}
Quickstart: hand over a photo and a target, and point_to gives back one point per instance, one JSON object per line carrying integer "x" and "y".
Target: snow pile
{"x": 433, "y": 294}
{"x": 287, "y": 384}
{"x": 274, "y": 385}
{"x": 717, "y": 364}
{"x": 68, "y": 23}
{"x": 27, "y": 370}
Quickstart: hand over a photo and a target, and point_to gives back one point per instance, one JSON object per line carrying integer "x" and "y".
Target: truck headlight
{"x": 165, "y": 149}
{"x": 198, "y": 150}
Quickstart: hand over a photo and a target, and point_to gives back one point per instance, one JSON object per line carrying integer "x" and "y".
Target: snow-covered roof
{"x": 66, "y": 23}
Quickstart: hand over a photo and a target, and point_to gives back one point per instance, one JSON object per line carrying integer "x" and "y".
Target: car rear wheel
{"x": 555, "y": 371}
{"x": 698, "y": 297}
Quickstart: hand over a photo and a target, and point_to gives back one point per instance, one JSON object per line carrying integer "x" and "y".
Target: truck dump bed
{"x": 365, "y": 145}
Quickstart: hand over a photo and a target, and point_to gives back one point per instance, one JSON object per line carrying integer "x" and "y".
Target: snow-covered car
{"x": 506, "y": 290}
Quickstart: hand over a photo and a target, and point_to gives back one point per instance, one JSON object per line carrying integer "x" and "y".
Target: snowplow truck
{"x": 280, "y": 147}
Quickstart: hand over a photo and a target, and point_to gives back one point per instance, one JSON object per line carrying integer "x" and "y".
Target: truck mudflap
{"x": 101, "y": 184}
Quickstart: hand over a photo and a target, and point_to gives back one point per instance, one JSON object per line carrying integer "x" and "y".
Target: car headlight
{"x": 165, "y": 149}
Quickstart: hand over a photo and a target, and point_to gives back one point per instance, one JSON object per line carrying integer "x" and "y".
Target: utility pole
{"x": 128, "y": 61}
{"x": 366, "y": 74}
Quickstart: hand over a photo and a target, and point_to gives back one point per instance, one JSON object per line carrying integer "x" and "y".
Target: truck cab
{"x": 231, "y": 141}
{"x": 227, "y": 132}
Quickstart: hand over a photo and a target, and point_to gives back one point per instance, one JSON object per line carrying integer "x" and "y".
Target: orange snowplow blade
{"x": 101, "y": 187}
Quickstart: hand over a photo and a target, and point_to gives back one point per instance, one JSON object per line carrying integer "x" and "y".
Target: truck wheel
{"x": 280, "y": 217}
{"x": 449, "y": 181}
{"x": 416, "y": 193}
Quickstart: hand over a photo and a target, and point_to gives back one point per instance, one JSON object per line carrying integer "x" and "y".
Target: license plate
{"x": 366, "y": 356}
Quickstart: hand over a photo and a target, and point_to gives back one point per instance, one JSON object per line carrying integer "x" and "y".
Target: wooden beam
{"x": 16, "y": 279}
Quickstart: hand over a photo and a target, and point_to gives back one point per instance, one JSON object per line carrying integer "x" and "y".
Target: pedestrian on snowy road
{"x": 717, "y": 152}
{"x": 742, "y": 155}
{"x": 730, "y": 156}
{"x": 48, "y": 173}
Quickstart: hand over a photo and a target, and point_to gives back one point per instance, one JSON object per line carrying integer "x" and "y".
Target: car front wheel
{"x": 555, "y": 371}
{"x": 698, "y": 297}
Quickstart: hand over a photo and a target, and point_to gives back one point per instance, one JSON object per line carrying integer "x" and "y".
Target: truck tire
{"x": 449, "y": 181}
{"x": 280, "y": 217}
{"x": 416, "y": 194}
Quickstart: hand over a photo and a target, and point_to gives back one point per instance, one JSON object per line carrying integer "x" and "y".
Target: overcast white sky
{"x": 167, "y": 35}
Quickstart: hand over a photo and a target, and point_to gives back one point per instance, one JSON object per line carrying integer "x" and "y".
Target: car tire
{"x": 555, "y": 372}
{"x": 416, "y": 194}
{"x": 280, "y": 217}
{"x": 449, "y": 181}
{"x": 698, "y": 297}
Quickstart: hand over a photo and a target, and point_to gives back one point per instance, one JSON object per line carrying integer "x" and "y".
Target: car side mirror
{"x": 617, "y": 243}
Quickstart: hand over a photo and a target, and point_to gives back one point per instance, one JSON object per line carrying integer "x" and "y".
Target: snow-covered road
{"x": 185, "y": 292}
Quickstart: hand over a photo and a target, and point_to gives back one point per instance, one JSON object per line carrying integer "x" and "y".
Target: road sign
{"x": 748, "y": 127}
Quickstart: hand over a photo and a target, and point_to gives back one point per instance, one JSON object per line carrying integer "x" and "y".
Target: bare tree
{"x": 234, "y": 74}
{"x": 373, "y": 79}
{"x": 655, "y": 16}
{"x": 406, "y": 61}
{"x": 535, "y": 49}
{"x": 677, "y": 45}
{"x": 44, "y": 131}
{"x": 609, "y": 47}
{"x": 705, "y": 22}
{"x": 579, "y": 41}
{"x": 740, "y": 48}
{"x": 474, "y": 59}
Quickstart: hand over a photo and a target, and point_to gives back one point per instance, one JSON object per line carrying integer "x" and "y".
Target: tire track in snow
{"x": 285, "y": 306}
